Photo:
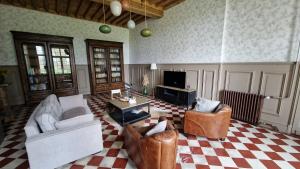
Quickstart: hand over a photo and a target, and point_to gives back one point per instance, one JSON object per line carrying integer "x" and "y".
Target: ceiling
{"x": 92, "y": 10}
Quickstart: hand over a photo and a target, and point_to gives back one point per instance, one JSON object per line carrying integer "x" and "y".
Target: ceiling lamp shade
{"x": 153, "y": 66}
{"x": 116, "y": 7}
{"x": 125, "y": 4}
{"x": 146, "y": 32}
{"x": 131, "y": 24}
{"x": 105, "y": 29}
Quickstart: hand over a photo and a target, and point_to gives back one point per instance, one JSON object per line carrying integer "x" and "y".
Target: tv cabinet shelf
{"x": 178, "y": 96}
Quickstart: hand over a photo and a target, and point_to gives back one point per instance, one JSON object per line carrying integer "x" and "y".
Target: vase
{"x": 2, "y": 79}
{"x": 145, "y": 91}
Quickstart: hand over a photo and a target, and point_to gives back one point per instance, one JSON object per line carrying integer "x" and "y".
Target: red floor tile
{"x": 95, "y": 161}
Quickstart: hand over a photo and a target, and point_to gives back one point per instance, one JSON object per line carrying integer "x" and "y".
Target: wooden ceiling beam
{"x": 108, "y": 14}
{"x": 87, "y": 9}
{"x": 101, "y": 18}
{"x": 111, "y": 18}
{"x": 23, "y": 3}
{"x": 138, "y": 8}
{"x": 46, "y": 5}
{"x": 78, "y": 8}
{"x": 140, "y": 19}
{"x": 173, "y": 3}
{"x": 68, "y": 7}
{"x": 33, "y": 4}
{"x": 123, "y": 17}
{"x": 96, "y": 12}
{"x": 154, "y": 1}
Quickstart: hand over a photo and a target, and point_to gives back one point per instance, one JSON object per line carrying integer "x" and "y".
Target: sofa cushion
{"x": 206, "y": 106}
{"x": 70, "y": 102}
{"x": 74, "y": 117}
{"x": 46, "y": 118}
{"x": 74, "y": 112}
{"x": 160, "y": 127}
{"x": 52, "y": 101}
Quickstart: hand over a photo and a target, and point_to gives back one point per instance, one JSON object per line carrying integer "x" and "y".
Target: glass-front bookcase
{"x": 105, "y": 65}
{"x": 46, "y": 64}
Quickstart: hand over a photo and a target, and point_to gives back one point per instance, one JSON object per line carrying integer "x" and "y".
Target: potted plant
{"x": 2, "y": 75}
{"x": 145, "y": 85}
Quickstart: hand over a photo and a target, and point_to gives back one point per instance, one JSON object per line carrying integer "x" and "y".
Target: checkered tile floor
{"x": 245, "y": 147}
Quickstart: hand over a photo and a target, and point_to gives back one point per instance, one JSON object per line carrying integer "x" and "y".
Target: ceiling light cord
{"x": 145, "y": 14}
{"x": 129, "y": 10}
{"x": 103, "y": 10}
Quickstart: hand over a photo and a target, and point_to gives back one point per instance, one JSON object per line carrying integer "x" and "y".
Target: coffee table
{"x": 121, "y": 111}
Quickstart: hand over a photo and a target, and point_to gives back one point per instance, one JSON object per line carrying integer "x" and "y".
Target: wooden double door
{"x": 46, "y": 65}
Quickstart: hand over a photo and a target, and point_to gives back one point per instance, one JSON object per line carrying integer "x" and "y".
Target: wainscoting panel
{"x": 295, "y": 119}
{"x": 126, "y": 73}
{"x": 83, "y": 79}
{"x": 272, "y": 85}
{"x": 208, "y": 79}
{"x": 269, "y": 79}
{"x": 239, "y": 81}
{"x": 192, "y": 79}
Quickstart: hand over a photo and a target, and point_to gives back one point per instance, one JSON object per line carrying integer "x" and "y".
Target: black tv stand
{"x": 178, "y": 96}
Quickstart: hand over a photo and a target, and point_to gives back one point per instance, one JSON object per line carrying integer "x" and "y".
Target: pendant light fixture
{"x": 125, "y": 4}
{"x": 130, "y": 23}
{"x": 146, "y": 32}
{"x": 116, "y": 7}
{"x": 104, "y": 28}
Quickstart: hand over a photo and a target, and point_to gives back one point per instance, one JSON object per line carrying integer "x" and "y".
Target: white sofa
{"x": 51, "y": 149}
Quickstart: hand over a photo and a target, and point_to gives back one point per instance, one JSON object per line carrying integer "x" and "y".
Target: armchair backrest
{"x": 157, "y": 150}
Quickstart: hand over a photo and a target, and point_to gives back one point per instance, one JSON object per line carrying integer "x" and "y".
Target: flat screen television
{"x": 174, "y": 79}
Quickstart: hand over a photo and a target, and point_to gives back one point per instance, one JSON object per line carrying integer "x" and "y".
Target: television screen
{"x": 174, "y": 79}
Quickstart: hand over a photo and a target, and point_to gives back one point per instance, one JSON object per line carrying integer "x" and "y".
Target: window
{"x": 61, "y": 60}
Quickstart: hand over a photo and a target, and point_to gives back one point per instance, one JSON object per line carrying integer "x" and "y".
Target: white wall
{"x": 202, "y": 31}
{"x": 20, "y": 19}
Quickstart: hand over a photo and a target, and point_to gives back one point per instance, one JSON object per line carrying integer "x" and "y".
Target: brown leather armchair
{"x": 157, "y": 151}
{"x": 212, "y": 125}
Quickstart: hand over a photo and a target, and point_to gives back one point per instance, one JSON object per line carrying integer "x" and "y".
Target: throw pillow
{"x": 70, "y": 102}
{"x": 46, "y": 118}
{"x": 206, "y": 106}
{"x": 160, "y": 127}
{"x": 74, "y": 117}
{"x": 52, "y": 101}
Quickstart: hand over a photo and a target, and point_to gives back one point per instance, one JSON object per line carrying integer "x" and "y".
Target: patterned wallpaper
{"x": 19, "y": 19}
{"x": 190, "y": 32}
{"x": 201, "y": 31}
{"x": 259, "y": 30}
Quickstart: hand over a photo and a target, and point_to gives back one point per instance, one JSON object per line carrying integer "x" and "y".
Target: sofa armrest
{"x": 59, "y": 147}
